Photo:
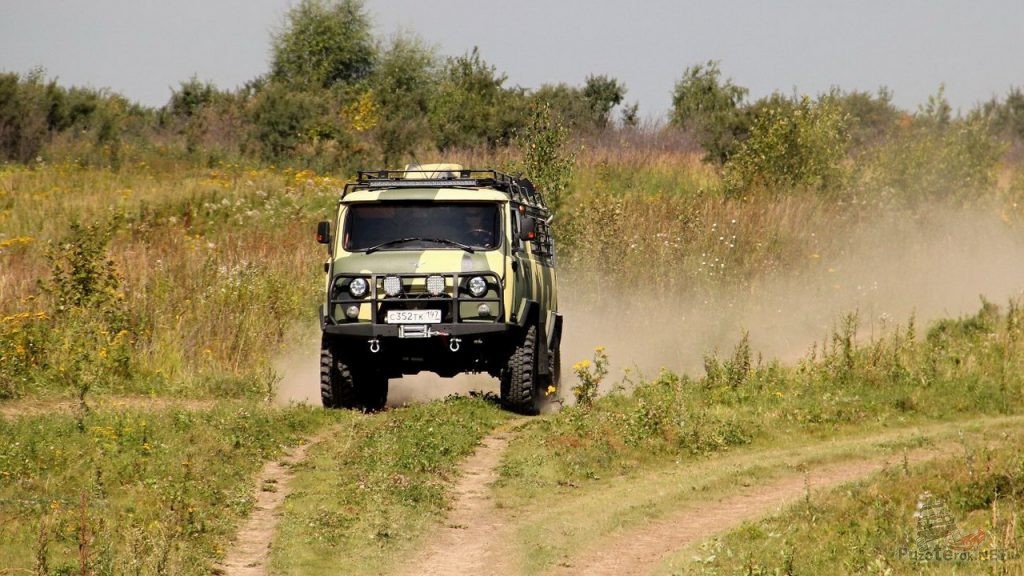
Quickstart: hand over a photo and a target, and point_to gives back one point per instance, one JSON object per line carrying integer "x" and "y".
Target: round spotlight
{"x": 392, "y": 286}
{"x": 477, "y": 286}
{"x": 483, "y": 310}
{"x": 352, "y": 311}
{"x": 435, "y": 285}
{"x": 358, "y": 287}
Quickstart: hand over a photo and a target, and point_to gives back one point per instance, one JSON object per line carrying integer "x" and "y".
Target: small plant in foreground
{"x": 590, "y": 375}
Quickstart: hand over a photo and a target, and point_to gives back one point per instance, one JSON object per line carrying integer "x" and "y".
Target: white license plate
{"x": 413, "y": 317}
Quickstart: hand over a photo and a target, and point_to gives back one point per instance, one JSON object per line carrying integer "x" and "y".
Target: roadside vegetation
{"x": 135, "y": 491}
{"x": 958, "y": 368}
{"x": 957, "y": 515}
{"x": 163, "y": 255}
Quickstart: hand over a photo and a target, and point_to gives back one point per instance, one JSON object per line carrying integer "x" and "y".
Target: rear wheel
{"x": 519, "y": 379}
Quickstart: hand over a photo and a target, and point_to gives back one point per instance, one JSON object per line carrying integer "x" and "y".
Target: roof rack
{"x": 518, "y": 189}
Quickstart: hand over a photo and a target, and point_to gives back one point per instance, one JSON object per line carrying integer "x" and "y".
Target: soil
{"x": 474, "y": 538}
{"x": 249, "y": 553}
{"x": 640, "y": 550}
{"x": 469, "y": 541}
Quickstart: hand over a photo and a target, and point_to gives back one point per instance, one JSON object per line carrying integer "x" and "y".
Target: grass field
{"x": 175, "y": 285}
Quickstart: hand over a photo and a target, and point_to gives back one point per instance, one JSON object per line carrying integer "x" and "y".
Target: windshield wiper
{"x": 383, "y": 245}
{"x": 465, "y": 247}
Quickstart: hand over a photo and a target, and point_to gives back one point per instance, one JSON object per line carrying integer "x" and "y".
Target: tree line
{"x": 336, "y": 96}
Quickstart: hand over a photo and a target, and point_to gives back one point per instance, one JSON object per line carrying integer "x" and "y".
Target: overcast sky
{"x": 143, "y": 48}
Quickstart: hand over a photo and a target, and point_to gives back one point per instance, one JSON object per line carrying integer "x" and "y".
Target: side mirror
{"x": 323, "y": 232}
{"x": 527, "y": 229}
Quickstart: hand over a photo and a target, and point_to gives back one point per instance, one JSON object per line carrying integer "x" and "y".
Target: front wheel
{"x": 337, "y": 388}
{"x": 519, "y": 380}
{"x": 345, "y": 386}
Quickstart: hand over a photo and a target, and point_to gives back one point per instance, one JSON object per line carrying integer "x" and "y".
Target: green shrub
{"x": 931, "y": 158}
{"x": 283, "y": 119}
{"x": 798, "y": 146}
{"x": 470, "y": 106}
{"x": 548, "y": 158}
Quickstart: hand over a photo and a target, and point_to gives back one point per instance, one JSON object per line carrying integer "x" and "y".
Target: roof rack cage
{"x": 518, "y": 189}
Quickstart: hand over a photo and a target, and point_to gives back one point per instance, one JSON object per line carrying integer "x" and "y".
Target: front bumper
{"x": 369, "y": 330}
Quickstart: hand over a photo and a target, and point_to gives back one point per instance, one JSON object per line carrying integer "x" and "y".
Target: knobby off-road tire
{"x": 337, "y": 388}
{"x": 520, "y": 381}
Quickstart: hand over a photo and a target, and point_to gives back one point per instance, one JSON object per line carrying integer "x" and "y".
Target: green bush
{"x": 798, "y": 146}
{"x": 548, "y": 158}
{"x": 932, "y": 157}
{"x": 85, "y": 340}
{"x": 283, "y": 119}
{"x": 470, "y": 106}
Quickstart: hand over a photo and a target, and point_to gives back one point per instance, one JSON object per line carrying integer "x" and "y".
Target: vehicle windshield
{"x": 418, "y": 225}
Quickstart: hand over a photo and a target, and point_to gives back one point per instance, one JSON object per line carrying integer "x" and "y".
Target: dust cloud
{"x": 932, "y": 264}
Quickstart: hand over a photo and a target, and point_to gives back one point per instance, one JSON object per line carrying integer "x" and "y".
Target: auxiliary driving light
{"x": 392, "y": 286}
{"x": 477, "y": 286}
{"x": 435, "y": 285}
{"x": 483, "y": 310}
{"x": 358, "y": 287}
{"x": 352, "y": 311}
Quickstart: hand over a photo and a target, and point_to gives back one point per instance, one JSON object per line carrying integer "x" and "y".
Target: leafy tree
{"x": 471, "y": 107}
{"x": 565, "y": 103}
{"x": 936, "y": 112}
{"x": 190, "y": 97}
{"x": 1006, "y": 117}
{"x": 870, "y": 116}
{"x": 703, "y": 102}
{"x": 403, "y": 85}
{"x": 548, "y": 159}
{"x": 603, "y": 93}
{"x": 25, "y": 107}
{"x": 631, "y": 115}
{"x": 324, "y": 43}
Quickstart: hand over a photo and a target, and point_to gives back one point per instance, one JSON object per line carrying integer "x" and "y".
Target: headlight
{"x": 358, "y": 287}
{"x": 477, "y": 286}
{"x": 392, "y": 286}
{"x": 435, "y": 285}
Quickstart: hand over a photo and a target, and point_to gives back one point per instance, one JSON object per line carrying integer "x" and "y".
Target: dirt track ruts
{"x": 251, "y": 549}
{"x": 639, "y": 550}
{"x": 468, "y": 542}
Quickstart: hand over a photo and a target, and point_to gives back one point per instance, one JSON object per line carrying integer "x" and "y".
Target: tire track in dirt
{"x": 639, "y": 550}
{"x": 468, "y": 542}
{"x": 250, "y": 551}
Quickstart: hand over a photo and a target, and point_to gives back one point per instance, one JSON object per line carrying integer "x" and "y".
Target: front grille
{"x": 455, "y": 302}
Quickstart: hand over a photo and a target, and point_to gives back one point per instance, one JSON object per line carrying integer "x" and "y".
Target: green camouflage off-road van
{"x": 442, "y": 269}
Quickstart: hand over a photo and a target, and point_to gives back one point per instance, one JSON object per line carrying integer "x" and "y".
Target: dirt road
{"x": 479, "y": 538}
